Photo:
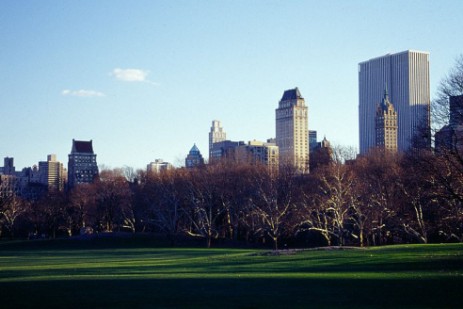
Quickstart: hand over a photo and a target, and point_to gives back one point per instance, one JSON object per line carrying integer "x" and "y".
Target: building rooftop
{"x": 194, "y": 150}
{"x": 82, "y": 146}
{"x": 291, "y": 94}
{"x": 386, "y": 104}
{"x": 397, "y": 53}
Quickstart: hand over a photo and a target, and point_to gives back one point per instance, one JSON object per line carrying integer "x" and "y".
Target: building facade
{"x": 450, "y": 137}
{"x": 217, "y": 134}
{"x": 82, "y": 166}
{"x": 259, "y": 152}
{"x": 194, "y": 158}
{"x": 52, "y": 173}
{"x": 8, "y": 166}
{"x": 406, "y": 75}
{"x": 9, "y": 181}
{"x": 9, "y": 186}
{"x": 292, "y": 130}
{"x": 386, "y": 125}
{"x": 158, "y": 166}
{"x": 223, "y": 149}
{"x": 312, "y": 140}
{"x": 321, "y": 155}
{"x": 456, "y": 110}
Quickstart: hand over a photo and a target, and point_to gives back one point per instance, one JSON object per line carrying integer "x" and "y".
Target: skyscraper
{"x": 82, "y": 167}
{"x": 8, "y": 166}
{"x": 312, "y": 140}
{"x": 194, "y": 158}
{"x": 292, "y": 130}
{"x": 406, "y": 75}
{"x": 217, "y": 134}
{"x": 386, "y": 125}
{"x": 52, "y": 173}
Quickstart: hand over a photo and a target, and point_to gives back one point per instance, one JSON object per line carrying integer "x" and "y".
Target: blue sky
{"x": 144, "y": 79}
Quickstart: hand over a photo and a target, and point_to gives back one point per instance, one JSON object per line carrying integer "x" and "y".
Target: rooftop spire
{"x": 385, "y": 102}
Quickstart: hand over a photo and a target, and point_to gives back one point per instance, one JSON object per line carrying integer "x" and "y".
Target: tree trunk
{"x": 230, "y": 227}
{"x": 380, "y": 232}
{"x": 275, "y": 243}
{"x": 328, "y": 239}
{"x": 361, "y": 237}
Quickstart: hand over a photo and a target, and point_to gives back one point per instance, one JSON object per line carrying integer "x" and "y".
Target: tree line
{"x": 377, "y": 199}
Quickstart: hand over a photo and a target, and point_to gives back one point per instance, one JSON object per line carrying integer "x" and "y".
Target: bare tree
{"x": 232, "y": 190}
{"x": 417, "y": 186}
{"x": 320, "y": 157}
{"x": 113, "y": 201}
{"x": 327, "y": 206}
{"x": 50, "y": 214}
{"x": 202, "y": 208}
{"x": 311, "y": 212}
{"x": 442, "y": 177}
{"x": 11, "y": 208}
{"x": 450, "y": 85}
{"x": 377, "y": 196}
{"x": 82, "y": 202}
{"x": 165, "y": 195}
{"x": 273, "y": 201}
{"x": 129, "y": 173}
{"x": 343, "y": 154}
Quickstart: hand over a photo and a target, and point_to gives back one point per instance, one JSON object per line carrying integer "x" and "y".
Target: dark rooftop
{"x": 291, "y": 94}
{"x": 194, "y": 149}
{"x": 82, "y": 146}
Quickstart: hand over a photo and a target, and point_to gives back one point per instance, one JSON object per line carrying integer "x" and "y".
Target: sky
{"x": 144, "y": 79}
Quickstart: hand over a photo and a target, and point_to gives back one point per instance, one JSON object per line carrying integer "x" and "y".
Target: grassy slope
{"x": 135, "y": 276}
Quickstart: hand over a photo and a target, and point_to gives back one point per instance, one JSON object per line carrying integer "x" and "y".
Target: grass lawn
{"x": 74, "y": 275}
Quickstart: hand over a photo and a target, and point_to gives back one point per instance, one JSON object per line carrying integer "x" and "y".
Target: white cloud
{"x": 132, "y": 75}
{"x": 82, "y": 93}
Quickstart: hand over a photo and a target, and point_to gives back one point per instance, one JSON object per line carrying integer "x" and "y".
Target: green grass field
{"x": 74, "y": 275}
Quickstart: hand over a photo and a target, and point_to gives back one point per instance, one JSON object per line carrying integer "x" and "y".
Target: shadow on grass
{"x": 233, "y": 293}
{"x": 104, "y": 260}
{"x": 178, "y": 262}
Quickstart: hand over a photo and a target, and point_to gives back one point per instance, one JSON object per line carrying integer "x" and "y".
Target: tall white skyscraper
{"x": 292, "y": 130}
{"x": 217, "y": 134}
{"x": 406, "y": 77}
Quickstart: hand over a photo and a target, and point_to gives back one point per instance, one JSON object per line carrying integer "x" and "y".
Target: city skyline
{"x": 144, "y": 80}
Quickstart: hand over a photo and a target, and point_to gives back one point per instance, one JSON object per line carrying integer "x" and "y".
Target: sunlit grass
{"x": 64, "y": 274}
